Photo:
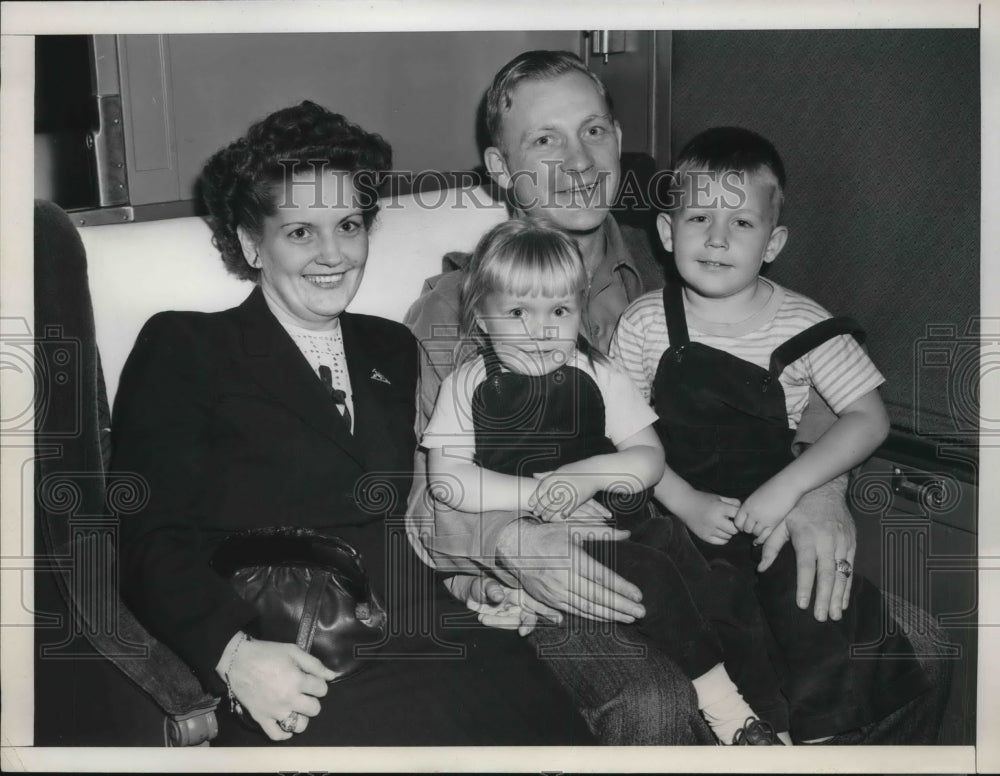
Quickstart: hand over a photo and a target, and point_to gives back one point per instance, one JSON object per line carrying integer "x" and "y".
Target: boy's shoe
{"x": 756, "y": 732}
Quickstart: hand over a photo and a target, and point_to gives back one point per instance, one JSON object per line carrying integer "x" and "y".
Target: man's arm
{"x": 433, "y": 319}
{"x": 818, "y": 526}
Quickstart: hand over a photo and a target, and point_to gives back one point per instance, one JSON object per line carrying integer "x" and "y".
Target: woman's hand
{"x": 271, "y": 680}
{"x": 709, "y": 517}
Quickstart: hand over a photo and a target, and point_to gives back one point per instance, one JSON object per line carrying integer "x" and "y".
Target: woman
{"x": 231, "y": 420}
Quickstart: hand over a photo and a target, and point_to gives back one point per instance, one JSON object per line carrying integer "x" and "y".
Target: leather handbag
{"x": 309, "y": 589}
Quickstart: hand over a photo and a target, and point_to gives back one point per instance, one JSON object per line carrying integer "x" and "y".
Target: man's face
{"x": 559, "y": 154}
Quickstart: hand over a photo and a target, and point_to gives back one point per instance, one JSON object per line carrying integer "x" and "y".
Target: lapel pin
{"x": 377, "y": 375}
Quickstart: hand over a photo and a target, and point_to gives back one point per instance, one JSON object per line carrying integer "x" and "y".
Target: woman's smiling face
{"x": 312, "y": 252}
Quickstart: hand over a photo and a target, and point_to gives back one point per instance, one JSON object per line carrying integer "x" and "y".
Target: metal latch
{"x": 926, "y": 489}
{"x": 107, "y": 144}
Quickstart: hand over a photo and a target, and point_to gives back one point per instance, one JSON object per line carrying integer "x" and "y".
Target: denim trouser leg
{"x": 919, "y": 721}
{"x": 626, "y": 690}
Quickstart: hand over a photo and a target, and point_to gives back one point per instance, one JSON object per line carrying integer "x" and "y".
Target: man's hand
{"x": 709, "y": 517}
{"x": 550, "y": 563}
{"x": 822, "y": 532}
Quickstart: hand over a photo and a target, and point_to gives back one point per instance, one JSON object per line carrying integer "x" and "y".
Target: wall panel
{"x": 420, "y": 90}
{"x": 880, "y": 134}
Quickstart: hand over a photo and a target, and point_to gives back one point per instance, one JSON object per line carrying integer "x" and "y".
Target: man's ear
{"x": 618, "y": 134}
{"x": 496, "y": 165}
{"x": 664, "y": 228}
{"x": 774, "y": 245}
{"x": 249, "y": 245}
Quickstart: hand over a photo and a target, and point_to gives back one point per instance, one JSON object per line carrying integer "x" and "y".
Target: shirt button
{"x": 597, "y": 330}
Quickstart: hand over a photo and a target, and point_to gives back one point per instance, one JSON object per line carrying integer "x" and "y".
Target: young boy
{"x": 726, "y": 358}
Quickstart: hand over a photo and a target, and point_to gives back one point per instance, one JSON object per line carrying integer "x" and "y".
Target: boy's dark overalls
{"x": 724, "y": 427}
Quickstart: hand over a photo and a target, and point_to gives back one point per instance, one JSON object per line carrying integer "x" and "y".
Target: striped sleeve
{"x": 842, "y": 372}
{"x": 639, "y": 341}
{"x": 839, "y": 369}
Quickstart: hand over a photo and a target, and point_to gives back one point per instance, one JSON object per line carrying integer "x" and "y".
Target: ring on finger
{"x": 288, "y": 723}
{"x": 844, "y": 567}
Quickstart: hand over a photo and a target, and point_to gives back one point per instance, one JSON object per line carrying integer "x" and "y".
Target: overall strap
{"x": 803, "y": 342}
{"x": 490, "y": 358}
{"x": 673, "y": 307}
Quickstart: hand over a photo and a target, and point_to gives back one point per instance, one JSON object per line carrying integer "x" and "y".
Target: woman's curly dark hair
{"x": 238, "y": 183}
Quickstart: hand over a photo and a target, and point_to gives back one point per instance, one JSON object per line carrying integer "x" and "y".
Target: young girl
{"x": 537, "y": 422}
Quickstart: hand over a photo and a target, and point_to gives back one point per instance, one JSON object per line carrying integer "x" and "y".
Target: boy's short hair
{"x": 730, "y": 149}
{"x": 539, "y": 65}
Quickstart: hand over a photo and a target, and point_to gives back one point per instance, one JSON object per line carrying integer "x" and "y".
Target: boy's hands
{"x": 765, "y": 508}
{"x": 709, "y": 517}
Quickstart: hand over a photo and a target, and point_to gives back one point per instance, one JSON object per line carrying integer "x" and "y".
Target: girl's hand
{"x": 559, "y": 495}
{"x": 593, "y": 512}
{"x": 271, "y": 680}
{"x": 709, "y": 517}
{"x": 764, "y": 509}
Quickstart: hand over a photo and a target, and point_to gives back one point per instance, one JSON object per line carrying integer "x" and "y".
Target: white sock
{"x": 721, "y": 703}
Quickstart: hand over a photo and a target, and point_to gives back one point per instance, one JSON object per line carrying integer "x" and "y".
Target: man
{"x": 555, "y": 150}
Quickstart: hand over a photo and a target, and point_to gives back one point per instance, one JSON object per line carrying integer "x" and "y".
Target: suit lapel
{"x": 370, "y": 427}
{"x": 276, "y": 365}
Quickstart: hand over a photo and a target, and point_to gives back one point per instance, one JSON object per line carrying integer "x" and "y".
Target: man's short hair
{"x": 541, "y": 65}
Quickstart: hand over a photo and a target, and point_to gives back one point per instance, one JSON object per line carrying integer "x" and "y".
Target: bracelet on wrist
{"x": 234, "y": 705}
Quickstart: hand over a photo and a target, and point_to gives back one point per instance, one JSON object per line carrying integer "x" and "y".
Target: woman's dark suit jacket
{"x": 230, "y": 428}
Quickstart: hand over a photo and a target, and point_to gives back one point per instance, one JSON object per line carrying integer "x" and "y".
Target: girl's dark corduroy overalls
{"x": 699, "y": 614}
{"x": 725, "y": 430}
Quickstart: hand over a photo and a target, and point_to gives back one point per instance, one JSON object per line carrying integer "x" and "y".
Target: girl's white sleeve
{"x": 625, "y": 411}
{"x": 451, "y": 423}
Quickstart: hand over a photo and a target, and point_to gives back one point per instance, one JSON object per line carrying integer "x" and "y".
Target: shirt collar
{"x": 615, "y": 248}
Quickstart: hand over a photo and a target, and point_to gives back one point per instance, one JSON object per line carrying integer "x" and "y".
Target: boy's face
{"x": 723, "y": 232}
{"x": 560, "y": 152}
